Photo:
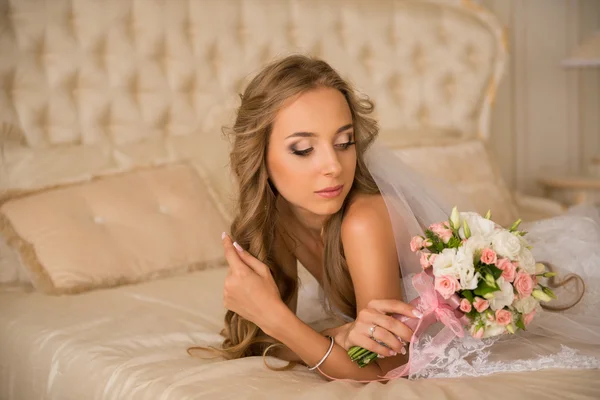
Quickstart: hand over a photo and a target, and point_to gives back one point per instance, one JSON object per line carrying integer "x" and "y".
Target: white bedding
{"x": 130, "y": 343}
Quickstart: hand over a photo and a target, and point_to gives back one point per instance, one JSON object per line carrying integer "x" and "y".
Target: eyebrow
{"x": 311, "y": 134}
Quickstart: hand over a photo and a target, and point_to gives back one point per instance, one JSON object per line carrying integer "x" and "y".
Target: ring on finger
{"x": 372, "y": 332}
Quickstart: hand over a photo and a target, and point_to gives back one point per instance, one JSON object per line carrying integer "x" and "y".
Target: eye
{"x": 345, "y": 146}
{"x": 302, "y": 153}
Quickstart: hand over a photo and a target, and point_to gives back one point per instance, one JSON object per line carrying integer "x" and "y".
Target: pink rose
{"x": 446, "y": 224}
{"x": 436, "y": 227}
{"x": 444, "y": 233}
{"x": 527, "y": 318}
{"x": 465, "y": 306}
{"x": 427, "y": 243}
{"x": 446, "y": 285}
{"x": 477, "y": 332}
{"x": 432, "y": 258}
{"x": 508, "y": 269}
{"x": 480, "y": 304}
{"x": 425, "y": 261}
{"x": 488, "y": 256}
{"x": 503, "y": 317}
{"x": 523, "y": 284}
{"x": 416, "y": 243}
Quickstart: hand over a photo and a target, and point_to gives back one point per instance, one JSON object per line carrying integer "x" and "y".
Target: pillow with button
{"x": 115, "y": 230}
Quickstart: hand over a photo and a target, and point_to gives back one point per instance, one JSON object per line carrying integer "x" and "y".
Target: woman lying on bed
{"x": 306, "y": 194}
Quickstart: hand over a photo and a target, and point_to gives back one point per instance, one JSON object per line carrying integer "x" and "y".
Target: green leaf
{"x": 437, "y": 245}
{"x": 454, "y": 242}
{"x": 495, "y": 271}
{"x": 520, "y": 323}
{"x": 483, "y": 288}
{"x": 467, "y": 294}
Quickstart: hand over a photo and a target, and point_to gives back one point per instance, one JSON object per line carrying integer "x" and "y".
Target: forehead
{"x": 321, "y": 111}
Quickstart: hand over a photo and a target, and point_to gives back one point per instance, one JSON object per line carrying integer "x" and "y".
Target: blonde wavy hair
{"x": 255, "y": 223}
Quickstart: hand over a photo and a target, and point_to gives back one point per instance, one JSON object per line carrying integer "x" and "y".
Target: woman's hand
{"x": 250, "y": 290}
{"x": 387, "y": 330}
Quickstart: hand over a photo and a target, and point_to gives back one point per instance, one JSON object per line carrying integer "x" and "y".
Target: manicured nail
{"x": 393, "y": 353}
{"x": 238, "y": 247}
{"x": 223, "y": 235}
{"x": 380, "y": 356}
{"x": 418, "y": 314}
{"x": 403, "y": 351}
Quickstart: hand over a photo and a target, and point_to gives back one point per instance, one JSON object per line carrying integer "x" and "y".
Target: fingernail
{"x": 238, "y": 247}
{"x": 418, "y": 314}
{"x": 403, "y": 351}
{"x": 223, "y": 235}
{"x": 380, "y": 356}
{"x": 393, "y": 353}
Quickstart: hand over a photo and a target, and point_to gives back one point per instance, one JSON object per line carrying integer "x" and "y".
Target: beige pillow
{"x": 468, "y": 167}
{"x": 115, "y": 229}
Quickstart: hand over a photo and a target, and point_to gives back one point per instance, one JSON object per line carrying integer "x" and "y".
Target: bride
{"x": 313, "y": 189}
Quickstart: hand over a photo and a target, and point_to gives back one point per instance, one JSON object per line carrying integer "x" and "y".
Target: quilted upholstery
{"x": 89, "y": 87}
{"x": 468, "y": 168}
{"x": 116, "y": 229}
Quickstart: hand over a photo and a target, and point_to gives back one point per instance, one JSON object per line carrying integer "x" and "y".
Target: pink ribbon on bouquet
{"x": 434, "y": 308}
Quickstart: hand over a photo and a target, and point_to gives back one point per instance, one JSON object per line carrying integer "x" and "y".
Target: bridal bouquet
{"x": 477, "y": 277}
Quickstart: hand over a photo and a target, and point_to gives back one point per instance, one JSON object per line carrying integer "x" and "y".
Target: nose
{"x": 331, "y": 164}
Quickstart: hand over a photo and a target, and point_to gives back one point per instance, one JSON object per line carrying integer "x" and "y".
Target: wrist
{"x": 277, "y": 318}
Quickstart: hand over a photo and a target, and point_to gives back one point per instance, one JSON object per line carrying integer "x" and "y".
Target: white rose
{"x": 506, "y": 244}
{"x": 504, "y": 297}
{"x": 463, "y": 262}
{"x": 526, "y": 260}
{"x": 526, "y": 305}
{"x": 444, "y": 263}
{"x": 469, "y": 279}
{"x": 492, "y": 328}
{"x": 478, "y": 225}
{"x": 476, "y": 243}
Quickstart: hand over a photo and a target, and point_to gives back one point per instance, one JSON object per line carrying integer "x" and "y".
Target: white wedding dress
{"x": 570, "y": 243}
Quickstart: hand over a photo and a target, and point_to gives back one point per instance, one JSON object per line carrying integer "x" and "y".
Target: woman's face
{"x": 311, "y": 156}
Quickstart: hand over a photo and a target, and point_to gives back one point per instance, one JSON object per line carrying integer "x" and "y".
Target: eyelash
{"x": 304, "y": 153}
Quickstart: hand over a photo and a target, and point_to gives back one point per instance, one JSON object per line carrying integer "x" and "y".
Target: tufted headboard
{"x": 89, "y": 87}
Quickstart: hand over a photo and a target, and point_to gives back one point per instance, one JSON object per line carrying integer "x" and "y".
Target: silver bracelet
{"x": 326, "y": 354}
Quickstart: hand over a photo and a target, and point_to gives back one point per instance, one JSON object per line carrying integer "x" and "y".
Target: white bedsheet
{"x": 130, "y": 343}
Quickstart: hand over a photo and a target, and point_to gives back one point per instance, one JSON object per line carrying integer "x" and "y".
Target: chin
{"x": 329, "y": 207}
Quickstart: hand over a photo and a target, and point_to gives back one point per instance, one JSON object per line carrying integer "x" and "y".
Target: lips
{"x": 332, "y": 189}
{"x": 330, "y": 192}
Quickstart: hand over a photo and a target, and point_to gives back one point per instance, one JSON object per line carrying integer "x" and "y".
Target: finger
{"x": 395, "y": 307}
{"x": 394, "y": 326}
{"x": 383, "y": 335}
{"x": 233, "y": 257}
{"x": 371, "y": 345}
{"x": 257, "y": 266}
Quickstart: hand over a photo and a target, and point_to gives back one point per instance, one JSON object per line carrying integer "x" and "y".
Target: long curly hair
{"x": 254, "y": 225}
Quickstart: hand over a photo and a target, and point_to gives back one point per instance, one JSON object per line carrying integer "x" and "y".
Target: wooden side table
{"x": 573, "y": 190}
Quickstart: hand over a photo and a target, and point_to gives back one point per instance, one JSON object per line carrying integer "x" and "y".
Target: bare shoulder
{"x": 370, "y": 250}
{"x": 366, "y": 214}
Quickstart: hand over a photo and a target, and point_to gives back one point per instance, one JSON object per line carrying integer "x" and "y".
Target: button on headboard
{"x": 113, "y": 84}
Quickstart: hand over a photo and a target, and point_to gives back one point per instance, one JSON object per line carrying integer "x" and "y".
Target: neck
{"x": 313, "y": 223}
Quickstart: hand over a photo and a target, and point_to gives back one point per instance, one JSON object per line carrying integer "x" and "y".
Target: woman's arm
{"x": 371, "y": 256}
{"x": 251, "y": 292}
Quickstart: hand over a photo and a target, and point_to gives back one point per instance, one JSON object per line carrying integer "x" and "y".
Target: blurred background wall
{"x": 546, "y": 120}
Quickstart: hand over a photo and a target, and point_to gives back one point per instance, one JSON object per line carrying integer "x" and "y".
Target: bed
{"x": 110, "y": 148}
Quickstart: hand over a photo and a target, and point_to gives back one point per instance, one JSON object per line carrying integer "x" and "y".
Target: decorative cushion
{"x": 115, "y": 229}
{"x": 468, "y": 167}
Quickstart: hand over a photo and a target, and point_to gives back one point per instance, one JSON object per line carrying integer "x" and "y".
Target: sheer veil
{"x": 570, "y": 243}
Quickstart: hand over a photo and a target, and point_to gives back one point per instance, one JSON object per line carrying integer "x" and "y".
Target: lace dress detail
{"x": 470, "y": 357}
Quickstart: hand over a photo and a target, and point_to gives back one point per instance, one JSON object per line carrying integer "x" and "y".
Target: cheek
{"x": 289, "y": 177}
